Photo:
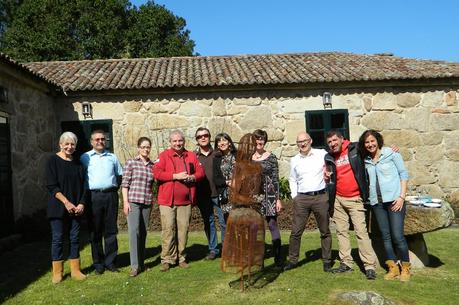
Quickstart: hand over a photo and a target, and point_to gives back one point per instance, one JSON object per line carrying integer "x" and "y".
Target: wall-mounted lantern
{"x": 86, "y": 109}
{"x": 3, "y": 95}
{"x": 327, "y": 100}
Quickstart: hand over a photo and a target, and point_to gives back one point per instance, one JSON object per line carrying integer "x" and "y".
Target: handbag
{"x": 223, "y": 197}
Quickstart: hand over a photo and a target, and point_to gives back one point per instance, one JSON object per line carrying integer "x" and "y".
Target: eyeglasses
{"x": 99, "y": 140}
{"x": 199, "y": 137}
{"x": 303, "y": 142}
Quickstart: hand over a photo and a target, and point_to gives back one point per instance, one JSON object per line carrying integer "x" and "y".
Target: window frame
{"x": 327, "y": 125}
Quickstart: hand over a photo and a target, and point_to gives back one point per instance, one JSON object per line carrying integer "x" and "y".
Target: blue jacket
{"x": 390, "y": 170}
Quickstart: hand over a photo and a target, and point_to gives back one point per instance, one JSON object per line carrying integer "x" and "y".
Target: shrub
{"x": 284, "y": 189}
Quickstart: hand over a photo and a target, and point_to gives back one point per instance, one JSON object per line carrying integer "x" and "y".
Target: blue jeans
{"x": 391, "y": 225}
{"x": 208, "y": 216}
{"x": 57, "y": 237}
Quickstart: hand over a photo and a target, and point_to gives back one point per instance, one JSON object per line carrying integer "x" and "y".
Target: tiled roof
{"x": 9, "y": 61}
{"x": 258, "y": 70}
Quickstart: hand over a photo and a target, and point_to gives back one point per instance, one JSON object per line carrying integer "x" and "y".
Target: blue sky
{"x": 423, "y": 29}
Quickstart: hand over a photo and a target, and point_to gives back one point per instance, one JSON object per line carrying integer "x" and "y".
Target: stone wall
{"x": 423, "y": 122}
{"x": 33, "y": 137}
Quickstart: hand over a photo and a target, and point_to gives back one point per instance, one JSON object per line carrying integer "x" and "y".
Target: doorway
{"x": 6, "y": 193}
{"x": 83, "y": 130}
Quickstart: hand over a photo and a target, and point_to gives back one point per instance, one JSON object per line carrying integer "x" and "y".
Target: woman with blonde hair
{"x": 66, "y": 204}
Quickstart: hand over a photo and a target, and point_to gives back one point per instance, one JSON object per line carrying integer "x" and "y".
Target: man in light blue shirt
{"x": 104, "y": 173}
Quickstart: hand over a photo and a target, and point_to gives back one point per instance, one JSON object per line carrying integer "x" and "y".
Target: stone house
{"x": 27, "y": 136}
{"x": 415, "y": 103}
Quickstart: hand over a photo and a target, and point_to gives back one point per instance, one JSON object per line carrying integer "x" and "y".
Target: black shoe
{"x": 113, "y": 268}
{"x": 343, "y": 268}
{"x": 279, "y": 265}
{"x": 211, "y": 256}
{"x": 277, "y": 253}
{"x": 100, "y": 270}
{"x": 327, "y": 267}
{"x": 370, "y": 274}
{"x": 290, "y": 266}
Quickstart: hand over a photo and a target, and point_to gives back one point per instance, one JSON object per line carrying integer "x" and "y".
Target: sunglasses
{"x": 198, "y": 137}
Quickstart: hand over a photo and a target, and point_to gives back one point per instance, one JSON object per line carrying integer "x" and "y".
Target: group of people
{"x": 86, "y": 186}
{"x": 338, "y": 184}
{"x": 239, "y": 186}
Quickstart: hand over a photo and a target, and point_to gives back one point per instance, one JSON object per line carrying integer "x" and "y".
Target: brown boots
{"x": 394, "y": 271}
{"x": 405, "y": 275}
{"x": 58, "y": 270}
{"x": 75, "y": 270}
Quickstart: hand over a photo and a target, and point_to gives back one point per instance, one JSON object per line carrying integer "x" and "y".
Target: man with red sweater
{"x": 177, "y": 171}
{"x": 348, "y": 190}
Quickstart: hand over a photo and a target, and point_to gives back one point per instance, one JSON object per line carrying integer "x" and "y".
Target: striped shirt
{"x": 138, "y": 178}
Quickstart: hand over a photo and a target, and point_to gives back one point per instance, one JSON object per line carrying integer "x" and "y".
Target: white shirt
{"x": 307, "y": 172}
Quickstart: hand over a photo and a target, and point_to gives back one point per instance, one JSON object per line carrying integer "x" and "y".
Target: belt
{"x": 107, "y": 190}
{"x": 313, "y": 193}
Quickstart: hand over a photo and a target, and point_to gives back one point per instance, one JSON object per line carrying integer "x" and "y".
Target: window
{"x": 319, "y": 122}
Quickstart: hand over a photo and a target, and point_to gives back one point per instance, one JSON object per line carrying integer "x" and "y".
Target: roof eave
{"x": 351, "y": 85}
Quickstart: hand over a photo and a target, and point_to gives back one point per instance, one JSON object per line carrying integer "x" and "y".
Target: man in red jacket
{"x": 177, "y": 171}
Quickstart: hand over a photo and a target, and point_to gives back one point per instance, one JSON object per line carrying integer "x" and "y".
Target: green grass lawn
{"x": 25, "y": 278}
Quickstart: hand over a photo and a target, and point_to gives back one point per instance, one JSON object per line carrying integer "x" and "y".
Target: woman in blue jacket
{"x": 388, "y": 179}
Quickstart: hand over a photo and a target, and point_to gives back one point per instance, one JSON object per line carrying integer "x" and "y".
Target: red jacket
{"x": 173, "y": 191}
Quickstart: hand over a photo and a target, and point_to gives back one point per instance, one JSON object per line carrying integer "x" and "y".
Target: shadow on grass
{"x": 434, "y": 262}
{"x": 270, "y": 273}
{"x": 258, "y": 279}
{"x": 23, "y": 265}
{"x": 196, "y": 252}
{"x": 314, "y": 255}
{"x": 123, "y": 259}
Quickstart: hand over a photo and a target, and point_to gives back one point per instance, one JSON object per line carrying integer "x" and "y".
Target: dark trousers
{"x": 58, "y": 226}
{"x": 103, "y": 223}
{"x": 303, "y": 205}
{"x": 391, "y": 225}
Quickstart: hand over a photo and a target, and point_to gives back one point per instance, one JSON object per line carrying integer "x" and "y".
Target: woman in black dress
{"x": 65, "y": 184}
{"x": 271, "y": 205}
{"x": 225, "y": 158}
